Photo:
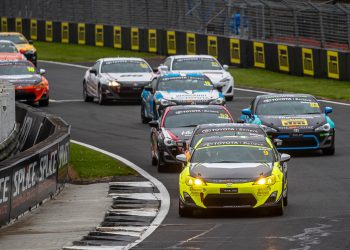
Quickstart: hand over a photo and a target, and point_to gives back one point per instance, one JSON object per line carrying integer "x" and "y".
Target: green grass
{"x": 81, "y": 53}
{"x": 90, "y": 164}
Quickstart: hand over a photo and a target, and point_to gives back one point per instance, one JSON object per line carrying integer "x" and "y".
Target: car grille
{"x": 232, "y": 180}
{"x": 298, "y": 142}
{"x": 191, "y": 102}
{"x": 21, "y": 95}
{"x": 229, "y": 200}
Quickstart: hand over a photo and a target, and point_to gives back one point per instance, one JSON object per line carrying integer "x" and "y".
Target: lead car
{"x": 234, "y": 172}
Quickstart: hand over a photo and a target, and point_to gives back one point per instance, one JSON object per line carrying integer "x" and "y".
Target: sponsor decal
{"x": 228, "y": 143}
{"x": 294, "y": 122}
{"x": 4, "y": 189}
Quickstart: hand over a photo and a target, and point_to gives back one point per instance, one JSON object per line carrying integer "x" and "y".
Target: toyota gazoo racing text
{"x": 203, "y": 64}
{"x": 30, "y": 84}
{"x": 294, "y": 119}
{"x": 234, "y": 172}
{"x": 24, "y": 46}
{"x": 9, "y": 52}
{"x": 116, "y": 79}
{"x": 177, "y": 89}
{"x": 176, "y": 125}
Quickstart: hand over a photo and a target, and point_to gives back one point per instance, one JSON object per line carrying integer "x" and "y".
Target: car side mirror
{"x": 155, "y": 70}
{"x": 42, "y": 71}
{"x": 163, "y": 68}
{"x": 328, "y": 110}
{"x": 219, "y": 87}
{"x": 148, "y": 88}
{"x": 30, "y": 41}
{"x": 93, "y": 71}
{"x": 22, "y": 51}
{"x": 247, "y": 112}
{"x": 285, "y": 157}
{"x": 225, "y": 67}
{"x": 154, "y": 124}
{"x": 182, "y": 158}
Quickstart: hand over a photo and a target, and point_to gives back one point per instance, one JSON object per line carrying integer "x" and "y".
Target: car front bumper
{"x": 31, "y": 93}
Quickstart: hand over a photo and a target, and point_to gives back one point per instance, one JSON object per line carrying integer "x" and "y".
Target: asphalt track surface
{"x": 318, "y": 214}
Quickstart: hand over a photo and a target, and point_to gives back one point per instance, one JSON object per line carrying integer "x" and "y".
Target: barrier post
{"x": 191, "y": 43}
{"x": 213, "y": 46}
{"x": 18, "y": 25}
{"x": 117, "y": 37}
{"x": 65, "y": 32}
{"x": 333, "y": 64}
{"x": 235, "y": 51}
{"x": 99, "y": 38}
{"x": 259, "y": 55}
{"x": 33, "y": 29}
{"x": 4, "y": 24}
{"x": 135, "y": 38}
{"x": 152, "y": 40}
{"x": 81, "y": 33}
{"x": 308, "y": 61}
{"x": 48, "y": 31}
{"x": 283, "y": 59}
{"x": 171, "y": 42}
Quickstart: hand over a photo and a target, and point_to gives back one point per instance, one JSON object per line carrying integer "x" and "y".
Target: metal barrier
{"x": 7, "y": 111}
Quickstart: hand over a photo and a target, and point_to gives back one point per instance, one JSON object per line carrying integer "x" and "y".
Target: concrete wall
{"x": 7, "y": 110}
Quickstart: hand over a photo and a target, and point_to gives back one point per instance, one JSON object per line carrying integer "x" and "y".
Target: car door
{"x": 94, "y": 79}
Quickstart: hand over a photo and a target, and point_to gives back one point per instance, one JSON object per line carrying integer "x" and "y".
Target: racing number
{"x": 191, "y": 43}
{"x": 171, "y": 42}
{"x": 99, "y": 35}
{"x": 4, "y": 24}
{"x": 259, "y": 55}
{"x": 333, "y": 64}
{"x": 308, "y": 61}
{"x": 48, "y": 31}
{"x": 283, "y": 61}
{"x": 213, "y": 46}
{"x": 117, "y": 37}
{"x": 152, "y": 40}
{"x": 33, "y": 29}
{"x": 81, "y": 33}
{"x": 65, "y": 32}
{"x": 235, "y": 56}
{"x": 135, "y": 38}
{"x": 18, "y": 25}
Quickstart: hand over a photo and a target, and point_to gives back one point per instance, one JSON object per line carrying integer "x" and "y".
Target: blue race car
{"x": 178, "y": 89}
{"x": 293, "y": 121}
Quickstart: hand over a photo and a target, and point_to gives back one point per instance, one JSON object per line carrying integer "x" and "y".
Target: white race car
{"x": 118, "y": 79}
{"x": 203, "y": 64}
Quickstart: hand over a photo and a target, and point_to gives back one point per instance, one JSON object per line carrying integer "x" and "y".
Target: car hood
{"x": 189, "y": 95}
{"x": 128, "y": 77}
{"x": 250, "y": 171}
{"x": 180, "y": 133}
{"x": 214, "y": 75}
{"x": 292, "y": 122}
{"x": 25, "y": 46}
{"x": 22, "y": 79}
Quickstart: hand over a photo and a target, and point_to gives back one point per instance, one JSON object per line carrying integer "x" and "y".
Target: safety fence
{"x": 41, "y": 166}
{"x": 279, "y": 57}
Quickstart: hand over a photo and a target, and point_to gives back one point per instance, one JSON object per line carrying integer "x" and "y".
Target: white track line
{"x": 132, "y": 184}
{"x": 240, "y": 89}
{"x": 61, "y": 101}
{"x": 163, "y": 195}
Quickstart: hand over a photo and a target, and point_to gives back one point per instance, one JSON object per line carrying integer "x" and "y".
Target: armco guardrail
{"x": 277, "y": 57}
{"x": 40, "y": 169}
{"x": 7, "y": 111}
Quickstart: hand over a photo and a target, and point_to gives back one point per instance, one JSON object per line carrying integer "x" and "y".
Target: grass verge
{"x": 248, "y": 78}
{"x": 90, "y": 165}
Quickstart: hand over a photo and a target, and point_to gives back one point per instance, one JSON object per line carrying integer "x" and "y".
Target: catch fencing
{"x": 314, "y": 23}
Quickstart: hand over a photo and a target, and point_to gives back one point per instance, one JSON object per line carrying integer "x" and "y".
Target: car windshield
{"x": 288, "y": 107}
{"x": 195, "y": 63}
{"x": 125, "y": 67}
{"x": 7, "y": 48}
{"x": 192, "y": 118}
{"x": 184, "y": 83}
{"x": 233, "y": 154}
{"x": 16, "y": 39}
{"x": 17, "y": 69}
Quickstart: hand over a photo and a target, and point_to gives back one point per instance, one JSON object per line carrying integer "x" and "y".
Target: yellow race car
{"x": 22, "y": 44}
{"x": 233, "y": 172}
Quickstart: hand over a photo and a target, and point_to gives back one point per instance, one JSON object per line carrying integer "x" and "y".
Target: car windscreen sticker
{"x": 287, "y": 98}
{"x": 194, "y": 59}
{"x": 180, "y": 112}
{"x": 294, "y": 122}
{"x": 31, "y": 69}
{"x": 182, "y": 78}
{"x": 122, "y": 61}
{"x": 239, "y": 129}
{"x": 143, "y": 65}
{"x": 224, "y": 116}
{"x": 229, "y": 143}
{"x": 214, "y": 64}
{"x": 207, "y": 83}
{"x": 314, "y": 105}
{"x": 266, "y": 152}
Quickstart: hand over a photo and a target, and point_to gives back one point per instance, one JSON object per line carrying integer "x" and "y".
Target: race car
{"x": 295, "y": 119}
{"x": 116, "y": 79}
{"x": 22, "y": 44}
{"x": 223, "y": 129}
{"x": 30, "y": 84}
{"x": 176, "y": 125}
{"x": 177, "y": 89}
{"x": 9, "y": 52}
{"x": 203, "y": 64}
{"x": 234, "y": 172}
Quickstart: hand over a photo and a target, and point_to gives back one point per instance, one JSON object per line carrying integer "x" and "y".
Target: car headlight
{"x": 169, "y": 142}
{"x": 218, "y": 101}
{"x": 165, "y": 102}
{"x": 268, "y": 129}
{"x": 190, "y": 181}
{"x": 225, "y": 80}
{"x": 270, "y": 180}
{"x": 324, "y": 128}
{"x": 114, "y": 83}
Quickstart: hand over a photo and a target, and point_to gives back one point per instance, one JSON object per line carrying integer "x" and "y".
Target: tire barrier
{"x": 278, "y": 57}
{"x": 39, "y": 169}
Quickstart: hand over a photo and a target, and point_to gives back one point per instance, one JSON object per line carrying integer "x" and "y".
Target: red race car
{"x": 9, "y": 52}
{"x": 30, "y": 84}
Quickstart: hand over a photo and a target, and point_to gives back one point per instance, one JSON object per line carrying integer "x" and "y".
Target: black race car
{"x": 176, "y": 125}
{"x": 295, "y": 119}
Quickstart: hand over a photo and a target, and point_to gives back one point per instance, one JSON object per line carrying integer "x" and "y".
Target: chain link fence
{"x": 313, "y": 23}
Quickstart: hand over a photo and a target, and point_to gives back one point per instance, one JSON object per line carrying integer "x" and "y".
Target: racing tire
{"x": 154, "y": 158}
{"x": 161, "y": 167}
{"x": 101, "y": 100}
{"x": 86, "y": 97}
{"x": 44, "y": 102}
{"x": 184, "y": 211}
{"x": 229, "y": 98}
{"x": 329, "y": 151}
{"x": 278, "y": 210}
{"x": 144, "y": 119}
{"x": 285, "y": 199}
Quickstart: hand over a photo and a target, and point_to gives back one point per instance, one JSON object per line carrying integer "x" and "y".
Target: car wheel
{"x": 229, "y": 98}
{"x": 153, "y": 155}
{"x": 285, "y": 199}
{"x": 184, "y": 211}
{"x": 44, "y": 102}
{"x": 86, "y": 96}
{"x": 155, "y": 113}
{"x": 101, "y": 100}
{"x": 278, "y": 209}
{"x": 144, "y": 119}
{"x": 329, "y": 151}
{"x": 160, "y": 164}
